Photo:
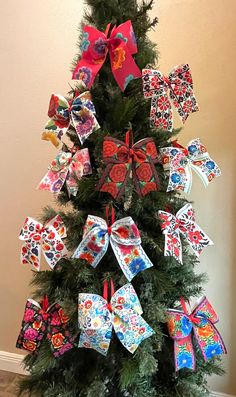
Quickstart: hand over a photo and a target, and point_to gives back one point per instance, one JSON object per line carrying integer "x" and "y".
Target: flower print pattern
{"x": 84, "y": 74}
{"x": 125, "y": 241}
{"x": 128, "y": 79}
{"x": 52, "y": 323}
{"x": 85, "y": 42}
{"x": 123, "y": 314}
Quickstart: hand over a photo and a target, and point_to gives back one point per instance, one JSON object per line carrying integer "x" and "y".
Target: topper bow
{"x": 201, "y": 322}
{"x": 125, "y": 241}
{"x": 183, "y": 223}
{"x": 123, "y": 162}
{"x": 48, "y": 237}
{"x": 79, "y": 112}
{"x": 67, "y": 168}
{"x": 182, "y": 160}
{"x": 121, "y": 45}
{"x": 97, "y": 318}
{"x": 39, "y": 322}
{"x": 180, "y": 87}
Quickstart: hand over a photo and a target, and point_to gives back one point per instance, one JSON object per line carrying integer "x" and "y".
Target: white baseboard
{"x": 12, "y": 362}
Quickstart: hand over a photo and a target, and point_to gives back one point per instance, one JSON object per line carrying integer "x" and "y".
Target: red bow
{"x": 123, "y": 161}
{"x": 121, "y": 45}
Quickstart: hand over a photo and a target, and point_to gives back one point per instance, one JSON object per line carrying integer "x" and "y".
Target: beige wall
{"x": 37, "y": 44}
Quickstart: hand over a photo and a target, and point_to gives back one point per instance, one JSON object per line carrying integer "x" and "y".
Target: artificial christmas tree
{"x": 121, "y": 200}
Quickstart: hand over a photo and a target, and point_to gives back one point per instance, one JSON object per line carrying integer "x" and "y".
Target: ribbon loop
{"x": 121, "y": 45}
{"x": 97, "y": 318}
{"x": 180, "y": 161}
{"x": 67, "y": 167}
{"x": 183, "y": 223}
{"x": 123, "y": 161}
{"x": 125, "y": 241}
{"x": 80, "y": 113}
{"x": 201, "y": 321}
{"x": 180, "y": 86}
{"x": 48, "y": 237}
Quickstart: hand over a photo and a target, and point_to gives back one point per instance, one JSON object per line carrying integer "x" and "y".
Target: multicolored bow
{"x": 201, "y": 322}
{"x": 79, "y": 112}
{"x": 180, "y": 161}
{"x": 180, "y": 87}
{"x": 183, "y": 223}
{"x": 97, "y": 317}
{"x": 125, "y": 241}
{"x": 123, "y": 162}
{"x": 121, "y": 45}
{"x": 48, "y": 237}
{"x": 67, "y": 168}
{"x": 39, "y": 322}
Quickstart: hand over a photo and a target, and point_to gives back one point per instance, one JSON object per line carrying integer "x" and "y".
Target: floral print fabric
{"x": 97, "y": 318}
{"x": 179, "y": 84}
{"x": 125, "y": 241}
{"x": 121, "y": 45}
{"x": 80, "y": 113}
{"x": 67, "y": 168}
{"x": 201, "y": 322}
{"x": 183, "y": 223}
{"x": 180, "y": 161}
{"x": 48, "y": 238}
{"x": 38, "y": 324}
{"x": 137, "y": 161}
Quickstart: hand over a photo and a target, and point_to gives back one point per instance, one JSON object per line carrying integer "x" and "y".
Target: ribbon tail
{"x": 84, "y": 123}
{"x": 197, "y": 239}
{"x": 53, "y": 249}
{"x": 31, "y": 255}
{"x": 74, "y": 175}
{"x": 184, "y": 353}
{"x": 108, "y": 182}
{"x": 173, "y": 246}
{"x": 53, "y": 180}
{"x": 161, "y": 118}
{"x": 209, "y": 340}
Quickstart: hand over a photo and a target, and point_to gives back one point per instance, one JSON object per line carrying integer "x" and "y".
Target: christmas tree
{"x": 125, "y": 220}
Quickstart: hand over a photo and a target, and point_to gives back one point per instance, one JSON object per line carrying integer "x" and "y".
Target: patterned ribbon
{"x": 79, "y": 112}
{"x": 97, "y": 318}
{"x": 121, "y": 45}
{"x": 39, "y": 322}
{"x": 183, "y": 223}
{"x": 48, "y": 237}
{"x": 125, "y": 241}
{"x": 180, "y": 161}
{"x": 124, "y": 161}
{"x": 201, "y": 322}
{"x": 180, "y": 87}
{"x": 67, "y": 168}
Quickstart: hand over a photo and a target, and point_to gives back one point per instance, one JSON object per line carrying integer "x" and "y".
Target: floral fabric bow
{"x": 180, "y": 87}
{"x": 125, "y": 241}
{"x": 48, "y": 237}
{"x": 180, "y": 161}
{"x": 40, "y": 322}
{"x": 79, "y": 112}
{"x": 183, "y": 223}
{"x": 97, "y": 318}
{"x": 67, "y": 168}
{"x": 121, "y": 45}
{"x": 201, "y": 322}
{"x": 123, "y": 162}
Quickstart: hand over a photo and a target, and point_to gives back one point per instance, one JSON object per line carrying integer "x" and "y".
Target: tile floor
{"x": 8, "y": 382}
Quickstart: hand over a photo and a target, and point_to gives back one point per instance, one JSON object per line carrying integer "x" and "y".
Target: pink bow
{"x": 121, "y": 45}
{"x": 183, "y": 223}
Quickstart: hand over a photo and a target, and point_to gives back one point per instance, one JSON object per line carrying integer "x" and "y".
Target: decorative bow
{"x": 121, "y": 45}
{"x": 48, "y": 236}
{"x": 97, "y": 317}
{"x": 180, "y": 86}
{"x": 67, "y": 168}
{"x": 79, "y": 112}
{"x": 201, "y": 321}
{"x": 39, "y": 322}
{"x": 182, "y": 160}
{"x": 123, "y": 162}
{"x": 125, "y": 241}
{"x": 183, "y": 223}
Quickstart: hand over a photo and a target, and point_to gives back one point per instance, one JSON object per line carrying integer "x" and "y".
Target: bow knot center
{"x": 166, "y": 80}
{"x": 44, "y": 315}
{"x": 109, "y": 229}
{"x": 194, "y": 319}
{"x": 109, "y": 307}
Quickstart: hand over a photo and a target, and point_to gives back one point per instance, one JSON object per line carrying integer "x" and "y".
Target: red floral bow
{"x": 121, "y": 45}
{"x": 39, "y": 321}
{"x": 123, "y": 160}
{"x": 180, "y": 87}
